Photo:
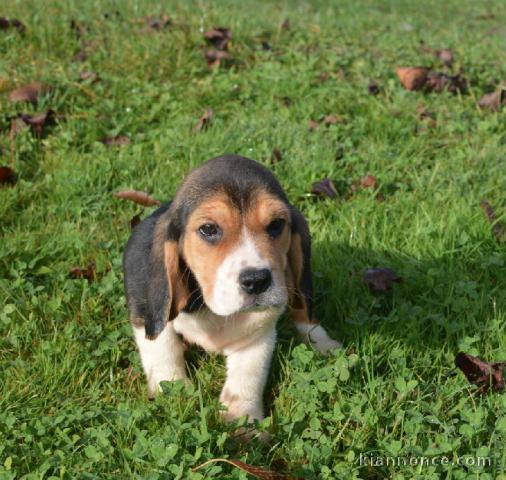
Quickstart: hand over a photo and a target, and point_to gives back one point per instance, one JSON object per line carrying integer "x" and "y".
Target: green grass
{"x": 73, "y": 399}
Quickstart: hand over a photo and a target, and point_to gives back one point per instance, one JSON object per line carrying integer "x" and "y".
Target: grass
{"x": 73, "y": 402}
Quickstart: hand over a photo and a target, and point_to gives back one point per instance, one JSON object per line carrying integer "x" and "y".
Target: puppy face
{"x": 238, "y": 253}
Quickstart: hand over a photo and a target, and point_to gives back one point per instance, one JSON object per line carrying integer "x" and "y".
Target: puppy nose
{"x": 255, "y": 281}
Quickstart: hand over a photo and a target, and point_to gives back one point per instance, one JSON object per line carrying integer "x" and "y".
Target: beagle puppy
{"x": 217, "y": 267}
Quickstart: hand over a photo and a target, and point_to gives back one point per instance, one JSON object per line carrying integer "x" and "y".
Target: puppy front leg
{"x": 162, "y": 358}
{"x": 247, "y": 371}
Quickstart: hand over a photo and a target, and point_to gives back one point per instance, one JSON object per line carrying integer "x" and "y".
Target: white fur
{"x": 315, "y": 335}
{"x": 228, "y": 297}
{"x": 162, "y": 358}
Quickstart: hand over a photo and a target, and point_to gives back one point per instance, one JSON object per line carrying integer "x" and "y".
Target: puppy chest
{"x": 215, "y": 333}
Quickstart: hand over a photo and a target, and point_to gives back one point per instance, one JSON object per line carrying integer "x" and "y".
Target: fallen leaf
{"x": 28, "y": 93}
{"x": 494, "y": 100}
{"x": 78, "y": 29}
{"x": 135, "y": 220}
{"x": 446, "y": 56}
{"x": 373, "y": 88}
{"x": 117, "y": 140}
{"x": 324, "y": 188}
{"x": 215, "y": 57}
{"x": 286, "y": 25}
{"x": 369, "y": 181}
{"x": 8, "y": 176}
{"x": 498, "y": 229}
{"x": 141, "y": 198}
{"x": 380, "y": 279}
{"x": 218, "y": 37}
{"x": 481, "y": 373}
{"x": 330, "y": 120}
{"x": 266, "y": 46}
{"x": 257, "y": 472}
{"x": 438, "y": 82}
{"x": 87, "y": 75}
{"x": 89, "y": 273}
{"x": 412, "y": 78}
{"x": 204, "y": 120}
{"x": 312, "y": 125}
{"x": 277, "y": 155}
{"x": 5, "y": 24}
{"x": 37, "y": 123}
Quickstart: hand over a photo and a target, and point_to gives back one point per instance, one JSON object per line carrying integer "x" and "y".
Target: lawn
{"x": 73, "y": 400}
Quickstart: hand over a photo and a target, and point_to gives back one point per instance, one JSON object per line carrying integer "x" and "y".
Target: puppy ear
{"x": 168, "y": 290}
{"x": 299, "y": 265}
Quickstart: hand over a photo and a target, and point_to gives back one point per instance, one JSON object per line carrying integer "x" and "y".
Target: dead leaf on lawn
{"x": 312, "y": 125}
{"x": 141, "y": 198}
{"x": 324, "y": 188}
{"x": 6, "y": 24}
{"x": 89, "y": 273}
{"x": 412, "y": 78}
{"x": 494, "y": 100}
{"x": 37, "y": 123}
{"x": 446, "y": 56}
{"x": 380, "y": 279}
{"x": 214, "y": 58}
{"x": 438, "y": 82}
{"x": 28, "y": 93}
{"x": 218, "y": 37}
{"x": 331, "y": 120}
{"x": 204, "y": 120}
{"x": 8, "y": 177}
{"x": 286, "y": 25}
{"x": 373, "y": 88}
{"x": 257, "y": 472}
{"x": 498, "y": 229}
{"x": 116, "y": 141}
{"x": 369, "y": 181}
{"x": 276, "y": 155}
{"x": 483, "y": 374}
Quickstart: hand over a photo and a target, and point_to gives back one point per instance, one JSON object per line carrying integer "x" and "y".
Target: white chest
{"x": 225, "y": 334}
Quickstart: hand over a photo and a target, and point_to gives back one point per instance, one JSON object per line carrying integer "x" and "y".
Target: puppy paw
{"x": 154, "y": 386}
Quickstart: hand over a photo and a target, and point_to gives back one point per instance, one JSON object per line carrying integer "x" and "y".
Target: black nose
{"x": 255, "y": 281}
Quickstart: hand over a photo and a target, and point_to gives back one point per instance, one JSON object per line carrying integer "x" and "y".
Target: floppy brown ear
{"x": 299, "y": 264}
{"x": 177, "y": 281}
{"x": 167, "y": 292}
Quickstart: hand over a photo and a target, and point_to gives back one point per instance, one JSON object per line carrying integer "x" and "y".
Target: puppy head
{"x": 235, "y": 236}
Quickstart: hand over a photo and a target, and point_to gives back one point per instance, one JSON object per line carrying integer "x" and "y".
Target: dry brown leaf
{"x": 89, "y": 273}
{"x": 481, "y": 373}
{"x": 257, "y": 472}
{"x": 118, "y": 140}
{"x": 369, "y": 181}
{"x": 494, "y": 100}
{"x": 438, "y": 82}
{"x": 498, "y": 229}
{"x": 324, "y": 188}
{"x": 331, "y": 120}
{"x": 204, "y": 120}
{"x": 412, "y": 78}
{"x": 218, "y": 37}
{"x": 373, "y": 88}
{"x": 8, "y": 176}
{"x": 380, "y": 279}
{"x": 28, "y": 93}
{"x": 214, "y": 58}
{"x": 276, "y": 155}
{"x": 141, "y": 198}
{"x": 312, "y": 125}
{"x": 158, "y": 23}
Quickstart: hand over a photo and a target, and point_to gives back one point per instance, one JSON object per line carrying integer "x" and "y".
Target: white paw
{"x": 154, "y": 386}
{"x": 316, "y": 336}
{"x": 237, "y": 407}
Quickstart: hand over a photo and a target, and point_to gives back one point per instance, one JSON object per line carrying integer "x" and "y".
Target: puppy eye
{"x": 210, "y": 232}
{"x": 275, "y": 228}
